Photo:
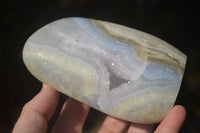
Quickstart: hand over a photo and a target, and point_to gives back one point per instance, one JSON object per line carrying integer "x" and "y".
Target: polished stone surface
{"x": 120, "y": 71}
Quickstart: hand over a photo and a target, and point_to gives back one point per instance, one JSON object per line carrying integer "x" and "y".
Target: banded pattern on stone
{"x": 120, "y": 71}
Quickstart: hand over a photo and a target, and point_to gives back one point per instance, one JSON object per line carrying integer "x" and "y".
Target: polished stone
{"x": 120, "y": 71}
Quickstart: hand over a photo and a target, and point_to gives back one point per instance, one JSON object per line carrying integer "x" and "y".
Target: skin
{"x": 37, "y": 112}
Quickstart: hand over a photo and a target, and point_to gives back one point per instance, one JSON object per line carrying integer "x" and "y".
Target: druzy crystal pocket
{"x": 120, "y": 71}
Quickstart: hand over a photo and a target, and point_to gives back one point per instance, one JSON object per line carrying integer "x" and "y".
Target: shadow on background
{"x": 176, "y": 22}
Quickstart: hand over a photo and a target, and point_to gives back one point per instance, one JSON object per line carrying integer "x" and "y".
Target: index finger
{"x": 36, "y": 113}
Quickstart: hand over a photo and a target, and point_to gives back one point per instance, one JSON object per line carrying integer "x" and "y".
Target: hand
{"x": 37, "y": 112}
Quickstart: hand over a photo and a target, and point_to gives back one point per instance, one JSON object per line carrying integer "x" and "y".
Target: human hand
{"x": 37, "y": 112}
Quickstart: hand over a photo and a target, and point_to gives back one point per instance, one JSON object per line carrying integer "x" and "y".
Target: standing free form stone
{"x": 120, "y": 71}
